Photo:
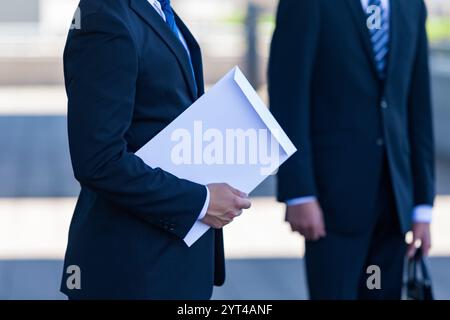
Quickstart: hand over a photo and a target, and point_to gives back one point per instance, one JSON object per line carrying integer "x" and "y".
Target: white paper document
{"x": 227, "y": 136}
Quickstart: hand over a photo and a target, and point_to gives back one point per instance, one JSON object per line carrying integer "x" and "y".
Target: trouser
{"x": 337, "y": 265}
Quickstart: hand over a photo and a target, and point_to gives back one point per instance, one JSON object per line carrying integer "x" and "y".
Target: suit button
{"x": 384, "y": 104}
{"x": 380, "y": 142}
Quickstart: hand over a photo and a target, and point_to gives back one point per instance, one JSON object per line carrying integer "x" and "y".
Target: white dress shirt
{"x": 384, "y": 3}
{"x": 157, "y": 6}
{"x": 421, "y": 213}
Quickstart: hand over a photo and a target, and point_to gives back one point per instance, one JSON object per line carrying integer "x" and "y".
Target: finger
{"x": 412, "y": 249}
{"x": 207, "y": 220}
{"x": 309, "y": 237}
{"x": 237, "y": 213}
{"x": 238, "y": 192}
{"x": 426, "y": 250}
{"x": 243, "y": 203}
{"x": 311, "y": 232}
{"x": 226, "y": 223}
{"x": 222, "y": 218}
{"x": 215, "y": 225}
{"x": 226, "y": 218}
{"x": 322, "y": 232}
{"x": 223, "y": 223}
{"x": 296, "y": 228}
{"x": 426, "y": 246}
{"x": 315, "y": 233}
{"x": 307, "y": 234}
{"x": 412, "y": 246}
{"x": 231, "y": 215}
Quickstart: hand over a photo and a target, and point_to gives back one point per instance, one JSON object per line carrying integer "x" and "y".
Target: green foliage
{"x": 439, "y": 29}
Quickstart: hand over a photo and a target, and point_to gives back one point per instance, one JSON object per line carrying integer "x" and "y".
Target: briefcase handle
{"x": 419, "y": 288}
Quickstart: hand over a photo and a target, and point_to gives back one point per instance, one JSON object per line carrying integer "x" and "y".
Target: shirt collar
{"x": 157, "y": 6}
{"x": 384, "y": 3}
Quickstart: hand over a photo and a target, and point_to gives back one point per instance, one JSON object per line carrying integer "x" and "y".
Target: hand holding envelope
{"x": 227, "y": 136}
{"x": 226, "y": 203}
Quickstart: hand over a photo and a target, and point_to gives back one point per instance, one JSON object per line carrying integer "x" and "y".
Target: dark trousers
{"x": 336, "y": 266}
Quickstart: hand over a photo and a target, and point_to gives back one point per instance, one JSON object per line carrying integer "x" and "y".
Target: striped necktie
{"x": 170, "y": 20}
{"x": 380, "y": 39}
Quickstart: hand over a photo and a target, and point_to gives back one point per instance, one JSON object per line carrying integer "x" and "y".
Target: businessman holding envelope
{"x": 130, "y": 70}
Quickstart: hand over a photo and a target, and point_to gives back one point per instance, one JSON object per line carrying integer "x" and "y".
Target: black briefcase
{"x": 418, "y": 284}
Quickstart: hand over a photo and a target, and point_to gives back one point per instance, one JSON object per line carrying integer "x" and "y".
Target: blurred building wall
{"x": 33, "y": 32}
{"x": 24, "y": 11}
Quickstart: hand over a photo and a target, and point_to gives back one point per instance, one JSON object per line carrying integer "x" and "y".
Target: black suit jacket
{"x": 127, "y": 77}
{"x": 325, "y": 91}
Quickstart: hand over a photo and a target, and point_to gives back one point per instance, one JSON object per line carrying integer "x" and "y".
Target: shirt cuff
{"x": 301, "y": 200}
{"x": 205, "y": 206}
{"x": 423, "y": 213}
{"x": 199, "y": 228}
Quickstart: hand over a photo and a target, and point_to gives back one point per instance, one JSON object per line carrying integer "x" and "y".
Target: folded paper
{"x": 226, "y": 136}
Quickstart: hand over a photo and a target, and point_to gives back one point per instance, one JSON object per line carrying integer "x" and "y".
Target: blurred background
{"x": 37, "y": 188}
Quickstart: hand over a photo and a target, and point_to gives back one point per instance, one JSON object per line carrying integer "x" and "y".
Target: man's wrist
{"x": 300, "y": 200}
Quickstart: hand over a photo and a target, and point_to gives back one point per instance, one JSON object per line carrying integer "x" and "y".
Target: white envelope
{"x": 227, "y": 136}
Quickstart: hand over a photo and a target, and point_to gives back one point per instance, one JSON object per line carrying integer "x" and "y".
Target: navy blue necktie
{"x": 170, "y": 20}
{"x": 380, "y": 39}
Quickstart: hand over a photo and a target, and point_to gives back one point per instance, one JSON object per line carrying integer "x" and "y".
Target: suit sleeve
{"x": 101, "y": 68}
{"x": 290, "y": 71}
{"x": 420, "y": 122}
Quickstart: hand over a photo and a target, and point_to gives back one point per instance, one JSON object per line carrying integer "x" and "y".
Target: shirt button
{"x": 384, "y": 104}
{"x": 380, "y": 142}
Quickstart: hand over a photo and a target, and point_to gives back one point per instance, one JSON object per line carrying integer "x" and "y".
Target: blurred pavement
{"x": 263, "y": 256}
{"x": 259, "y": 279}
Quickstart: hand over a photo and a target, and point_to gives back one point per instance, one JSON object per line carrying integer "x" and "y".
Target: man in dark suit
{"x": 131, "y": 69}
{"x": 349, "y": 82}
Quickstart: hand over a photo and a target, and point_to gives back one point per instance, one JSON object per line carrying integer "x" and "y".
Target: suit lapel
{"x": 196, "y": 55}
{"x": 152, "y": 18}
{"x": 361, "y": 24}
